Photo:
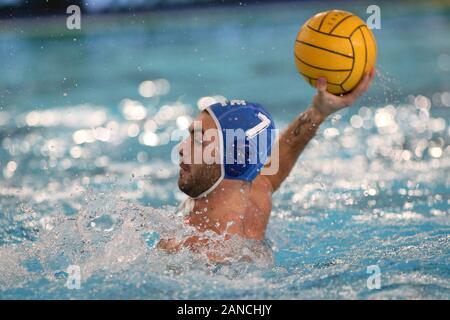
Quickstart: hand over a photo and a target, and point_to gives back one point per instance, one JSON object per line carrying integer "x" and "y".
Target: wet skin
{"x": 243, "y": 208}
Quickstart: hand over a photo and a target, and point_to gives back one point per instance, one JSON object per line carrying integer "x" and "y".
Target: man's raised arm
{"x": 293, "y": 140}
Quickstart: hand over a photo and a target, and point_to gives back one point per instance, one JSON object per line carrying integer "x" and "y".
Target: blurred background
{"x": 89, "y": 112}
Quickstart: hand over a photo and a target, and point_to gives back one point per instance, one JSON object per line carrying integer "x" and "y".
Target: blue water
{"x": 86, "y": 177}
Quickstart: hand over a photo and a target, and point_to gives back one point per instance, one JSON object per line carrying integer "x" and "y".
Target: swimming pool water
{"x": 86, "y": 177}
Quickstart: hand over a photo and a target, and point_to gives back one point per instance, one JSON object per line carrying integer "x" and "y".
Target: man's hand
{"x": 327, "y": 103}
{"x": 294, "y": 139}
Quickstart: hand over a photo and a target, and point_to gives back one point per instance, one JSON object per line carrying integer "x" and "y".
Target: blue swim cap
{"x": 246, "y": 134}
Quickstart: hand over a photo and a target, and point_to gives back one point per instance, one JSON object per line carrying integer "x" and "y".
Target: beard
{"x": 185, "y": 184}
{"x": 194, "y": 184}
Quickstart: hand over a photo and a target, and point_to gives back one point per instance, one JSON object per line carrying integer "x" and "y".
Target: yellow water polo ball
{"x": 336, "y": 45}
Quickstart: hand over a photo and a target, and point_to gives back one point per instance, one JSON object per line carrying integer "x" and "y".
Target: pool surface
{"x": 86, "y": 178}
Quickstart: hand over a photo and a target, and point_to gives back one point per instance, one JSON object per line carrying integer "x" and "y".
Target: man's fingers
{"x": 321, "y": 85}
{"x": 372, "y": 74}
{"x": 363, "y": 85}
{"x": 371, "y": 77}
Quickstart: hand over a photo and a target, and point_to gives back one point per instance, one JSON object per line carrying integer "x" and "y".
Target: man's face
{"x": 196, "y": 175}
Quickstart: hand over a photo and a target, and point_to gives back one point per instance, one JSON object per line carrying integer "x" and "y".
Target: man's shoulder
{"x": 261, "y": 193}
{"x": 262, "y": 184}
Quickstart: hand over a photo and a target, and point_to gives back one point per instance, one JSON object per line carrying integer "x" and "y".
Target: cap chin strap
{"x": 222, "y": 167}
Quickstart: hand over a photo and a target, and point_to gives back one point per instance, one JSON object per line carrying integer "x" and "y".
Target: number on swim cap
{"x": 265, "y": 122}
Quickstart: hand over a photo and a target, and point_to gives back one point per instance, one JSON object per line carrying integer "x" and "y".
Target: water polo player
{"x": 232, "y": 195}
